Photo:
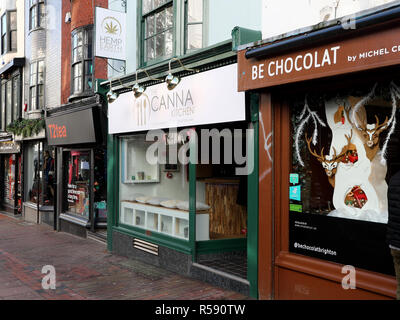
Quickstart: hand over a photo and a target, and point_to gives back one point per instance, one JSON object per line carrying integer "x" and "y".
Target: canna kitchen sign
{"x": 204, "y": 98}
{"x": 366, "y": 51}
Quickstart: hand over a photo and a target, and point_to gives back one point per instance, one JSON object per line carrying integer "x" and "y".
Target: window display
{"x": 9, "y": 179}
{"x": 150, "y": 198}
{"x": 40, "y": 173}
{"x": 345, "y": 149}
{"x": 78, "y": 182}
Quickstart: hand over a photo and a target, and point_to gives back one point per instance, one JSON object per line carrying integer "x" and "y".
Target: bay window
{"x": 82, "y": 61}
{"x": 36, "y": 14}
{"x": 36, "y": 85}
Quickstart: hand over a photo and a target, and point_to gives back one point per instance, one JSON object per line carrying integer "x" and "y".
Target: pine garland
{"x": 26, "y": 127}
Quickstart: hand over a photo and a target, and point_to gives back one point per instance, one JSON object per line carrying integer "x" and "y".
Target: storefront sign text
{"x": 367, "y": 51}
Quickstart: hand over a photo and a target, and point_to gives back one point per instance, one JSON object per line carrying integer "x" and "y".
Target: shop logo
{"x": 57, "y": 132}
{"x": 112, "y": 26}
{"x": 142, "y": 110}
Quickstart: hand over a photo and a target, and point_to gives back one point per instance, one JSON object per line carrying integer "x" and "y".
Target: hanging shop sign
{"x": 9, "y": 146}
{"x": 366, "y": 51}
{"x": 72, "y": 128}
{"x": 204, "y": 98}
{"x": 110, "y": 34}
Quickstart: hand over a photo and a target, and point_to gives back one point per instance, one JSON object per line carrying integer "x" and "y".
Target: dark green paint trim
{"x": 111, "y": 187}
{"x": 252, "y": 209}
{"x": 192, "y": 196}
{"x": 242, "y": 36}
{"x": 219, "y": 246}
{"x": 156, "y": 238}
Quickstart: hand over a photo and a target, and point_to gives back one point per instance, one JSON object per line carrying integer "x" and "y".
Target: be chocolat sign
{"x": 363, "y": 52}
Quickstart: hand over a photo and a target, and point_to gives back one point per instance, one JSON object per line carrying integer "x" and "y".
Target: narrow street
{"x": 84, "y": 270}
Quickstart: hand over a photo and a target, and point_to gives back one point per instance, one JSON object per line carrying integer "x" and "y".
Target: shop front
{"x": 329, "y": 144}
{"x": 78, "y": 137}
{"x": 181, "y": 172}
{"x": 10, "y": 175}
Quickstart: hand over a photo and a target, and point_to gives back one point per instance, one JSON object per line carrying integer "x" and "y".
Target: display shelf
{"x": 136, "y": 169}
{"x": 172, "y": 222}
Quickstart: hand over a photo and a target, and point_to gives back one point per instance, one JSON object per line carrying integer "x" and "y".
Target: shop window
{"x": 36, "y": 85}
{"x": 77, "y": 166}
{"x": 219, "y": 186}
{"x": 37, "y": 14}
{"x": 9, "y": 32}
{"x": 82, "y": 61}
{"x": 39, "y": 173}
{"x": 343, "y": 155}
{"x": 154, "y": 195}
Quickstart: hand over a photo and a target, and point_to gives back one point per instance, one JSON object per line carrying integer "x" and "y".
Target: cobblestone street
{"x": 84, "y": 270}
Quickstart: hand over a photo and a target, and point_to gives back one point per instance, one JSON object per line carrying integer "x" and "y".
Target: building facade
{"x": 331, "y": 91}
{"x": 194, "y": 217}
{"x": 12, "y": 79}
{"x": 76, "y": 128}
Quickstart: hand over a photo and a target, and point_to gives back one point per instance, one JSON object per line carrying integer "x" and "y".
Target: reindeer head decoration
{"x": 371, "y": 132}
{"x": 330, "y": 163}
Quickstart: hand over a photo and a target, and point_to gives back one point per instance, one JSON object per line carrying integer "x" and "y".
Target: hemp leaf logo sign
{"x": 111, "y": 28}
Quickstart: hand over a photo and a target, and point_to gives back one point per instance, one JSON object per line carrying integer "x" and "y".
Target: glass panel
{"x": 89, "y": 45}
{"x": 78, "y": 179}
{"x": 41, "y": 72}
{"x": 77, "y": 70}
{"x": 13, "y": 20}
{"x": 48, "y": 175}
{"x": 77, "y": 54}
{"x": 4, "y": 24}
{"x": 168, "y": 43}
{"x": 195, "y": 36}
{"x": 149, "y": 26}
{"x": 160, "y": 45}
{"x": 3, "y": 105}
{"x": 33, "y": 17}
{"x": 160, "y": 21}
{"x": 150, "y": 187}
{"x": 42, "y": 16}
{"x": 33, "y": 98}
{"x": 8, "y": 102}
{"x": 13, "y": 36}
{"x": 77, "y": 39}
{"x": 77, "y": 84}
{"x": 339, "y": 180}
{"x": 195, "y": 11}
{"x": 33, "y": 77}
{"x": 147, "y": 6}
{"x": 169, "y": 17}
{"x": 149, "y": 47}
{"x": 15, "y": 97}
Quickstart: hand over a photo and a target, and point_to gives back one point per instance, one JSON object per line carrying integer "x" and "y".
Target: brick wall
{"x": 81, "y": 15}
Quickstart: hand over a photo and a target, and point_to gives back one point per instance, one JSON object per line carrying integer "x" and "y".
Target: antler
{"x": 321, "y": 157}
{"x": 379, "y": 126}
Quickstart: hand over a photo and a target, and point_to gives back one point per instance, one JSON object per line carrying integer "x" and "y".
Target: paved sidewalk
{"x": 84, "y": 270}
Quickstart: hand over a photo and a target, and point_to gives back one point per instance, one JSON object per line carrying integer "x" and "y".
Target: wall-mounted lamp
{"x": 137, "y": 88}
{"x": 171, "y": 80}
{"x": 111, "y": 95}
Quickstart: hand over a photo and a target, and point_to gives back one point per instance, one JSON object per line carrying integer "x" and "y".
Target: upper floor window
{"x": 82, "y": 60}
{"x": 36, "y": 14}
{"x": 178, "y": 27}
{"x": 10, "y": 100}
{"x": 158, "y": 29}
{"x": 36, "y": 85}
{"x": 9, "y": 32}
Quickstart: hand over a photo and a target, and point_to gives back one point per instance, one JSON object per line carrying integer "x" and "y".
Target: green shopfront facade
{"x": 194, "y": 216}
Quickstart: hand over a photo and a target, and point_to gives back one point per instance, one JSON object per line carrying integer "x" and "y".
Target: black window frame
{"x": 36, "y": 85}
{"x": 36, "y": 14}
{"x": 7, "y": 31}
{"x": 12, "y": 105}
{"x": 86, "y": 61}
